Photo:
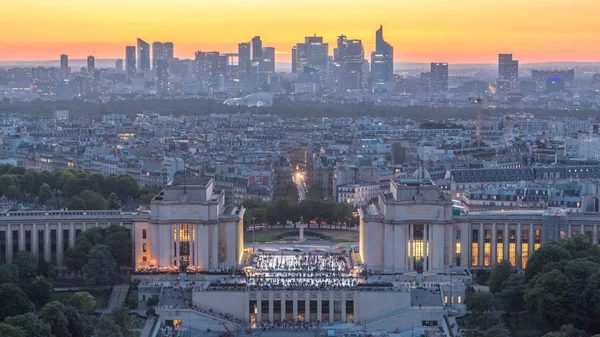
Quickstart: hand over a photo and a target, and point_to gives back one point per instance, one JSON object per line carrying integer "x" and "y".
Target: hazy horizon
{"x": 459, "y": 31}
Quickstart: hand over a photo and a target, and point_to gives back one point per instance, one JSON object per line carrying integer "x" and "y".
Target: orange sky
{"x": 456, "y": 31}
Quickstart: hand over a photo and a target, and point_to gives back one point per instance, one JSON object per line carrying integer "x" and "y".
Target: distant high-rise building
{"x": 439, "y": 77}
{"x": 268, "y": 60}
{"x": 130, "y": 61}
{"x": 340, "y": 50}
{"x": 169, "y": 51}
{"x": 162, "y": 75}
{"x": 202, "y": 67}
{"x": 382, "y": 61}
{"x": 64, "y": 65}
{"x": 256, "y": 49}
{"x": 312, "y": 55}
{"x": 143, "y": 54}
{"x": 508, "y": 73}
{"x": 91, "y": 64}
{"x": 161, "y": 51}
{"x": 353, "y": 57}
{"x": 245, "y": 61}
{"x": 119, "y": 65}
{"x": 294, "y": 59}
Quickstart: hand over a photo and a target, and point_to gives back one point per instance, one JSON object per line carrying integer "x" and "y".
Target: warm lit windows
{"x": 512, "y": 254}
{"x": 144, "y": 247}
{"x": 458, "y": 248}
{"x": 475, "y": 254}
{"x": 524, "y": 254}
{"x": 487, "y": 247}
{"x": 499, "y": 252}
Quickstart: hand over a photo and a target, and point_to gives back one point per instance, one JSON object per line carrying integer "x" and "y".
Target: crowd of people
{"x": 330, "y": 262}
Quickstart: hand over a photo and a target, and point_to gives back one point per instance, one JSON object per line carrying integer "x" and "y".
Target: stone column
{"x": 331, "y": 303}
{"x": 569, "y": 230}
{"x": 34, "y": 241}
{"x": 319, "y": 306}
{"x": 177, "y": 243}
{"x": 493, "y": 257}
{"x": 400, "y": 248}
{"x": 481, "y": 243}
{"x": 271, "y": 301}
{"x": 582, "y": 231}
{"x": 47, "y": 254}
{"x": 21, "y": 237}
{"x": 410, "y": 246}
{"x": 519, "y": 251}
{"x": 59, "y": 250}
{"x": 389, "y": 249}
{"x": 71, "y": 235}
{"x": 307, "y": 306}
{"x": 282, "y": 306}
{"x": 9, "y": 247}
{"x": 531, "y": 241}
{"x": 506, "y": 242}
{"x": 214, "y": 244}
{"x": 344, "y": 307}
{"x": 295, "y": 305}
{"x": 259, "y": 307}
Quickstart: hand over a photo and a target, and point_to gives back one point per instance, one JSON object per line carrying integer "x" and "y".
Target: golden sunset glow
{"x": 458, "y": 31}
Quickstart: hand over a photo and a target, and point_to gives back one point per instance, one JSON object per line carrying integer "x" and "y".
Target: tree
{"x": 53, "y": 313}
{"x": 13, "y": 192}
{"x": 79, "y": 324}
{"x": 83, "y": 301}
{"x": 121, "y": 317}
{"x": 547, "y": 253}
{"x": 499, "y": 274}
{"x": 496, "y": 331}
{"x": 314, "y": 192}
{"x": 73, "y": 187}
{"x": 11, "y": 331}
{"x": 39, "y": 290}
{"x": 127, "y": 187}
{"x": 45, "y": 193}
{"x": 6, "y": 181}
{"x": 93, "y": 200}
{"x": 153, "y": 301}
{"x": 114, "y": 202}
{"x": 512, "y": 293}
{"x": 76, "y": 259}
{"x": 63, "y": 179}
{"x": 107, "y": 327}
{"x": 26, "y": 263}
{"x": 9, "y": 273}
{"x": 119, "y": 241}
{"x": 76, "y": 203}
{"x": 548, "y": 296}
{"x": 13, "y": 301}
{"x": 101, "y": 267}
{"x": 31, "y": 324}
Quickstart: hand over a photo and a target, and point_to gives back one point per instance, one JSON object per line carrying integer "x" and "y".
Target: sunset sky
{"x": 456, "y": 31}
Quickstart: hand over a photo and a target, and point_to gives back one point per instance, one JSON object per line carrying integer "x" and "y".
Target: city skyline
{"x": 434, "y": 31}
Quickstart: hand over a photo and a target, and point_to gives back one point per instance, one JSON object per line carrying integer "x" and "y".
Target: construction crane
{"x": 478, "y": 120}
{"x": 225, "y": 334}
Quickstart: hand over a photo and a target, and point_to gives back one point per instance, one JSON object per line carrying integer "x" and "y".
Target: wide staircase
{"x": 388, "y": 315}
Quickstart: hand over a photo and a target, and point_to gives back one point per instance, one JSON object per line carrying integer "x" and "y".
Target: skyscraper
{"x": 130, "y": 65}
{"x": 245, "y": 61}
{"x": 294, "y": 59}
{"x": 353, "y": 56}
{"x": 169, "y": 50}
{"x": 143, "y": 54}
{"x": 158, "y": 53}
{"x": 119, "y": 65}
{"x": 439, "y": 77}
{"x": 256, "y": 56}
{"x": 161, "y": 51}
{"x": 382, "y": 61}
{"x": 64, "y": 65}
{"x": 508, "y": 73}
{"x": 312, "y": 55}
{"x": 162, "y": 75}
{"x": 268, "y": 54}
{"x": 91, "y": 64}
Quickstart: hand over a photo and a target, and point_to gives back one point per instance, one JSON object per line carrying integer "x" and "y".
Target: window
{"x": 475, "y": 254}
{"x": 144, "y": 258}
{"x": 512, "y": 254}
{"x": 458, "y": 248}
{"x": 143, "y": 234}
{"x": 524, "y": 254}
{"x": 144, "y": 248}
{"x": 499, "y": 251}
{"x": 487, "y": 254}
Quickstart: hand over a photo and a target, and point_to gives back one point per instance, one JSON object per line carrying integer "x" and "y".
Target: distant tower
{"x": 91, "y": 64}
{"x": 382, "y": 61}
{"x": 119, "y": 65}
{"x": 143, "y": 54}
{"x": 64, "y": 65}
{"x": 130, "y": 61}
